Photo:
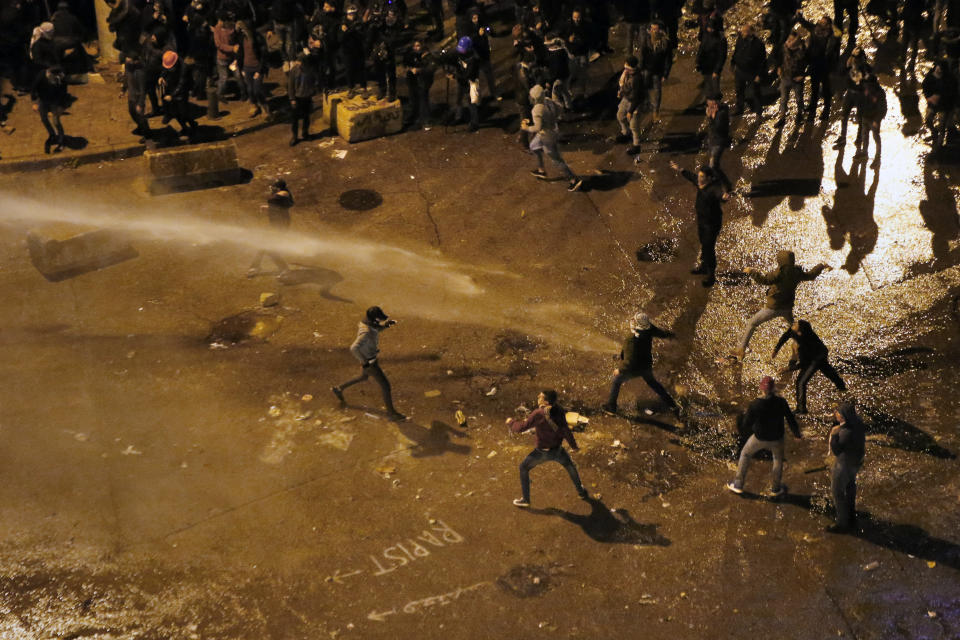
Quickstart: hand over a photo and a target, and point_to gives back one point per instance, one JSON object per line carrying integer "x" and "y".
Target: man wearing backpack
{"x": 545, "y": 133}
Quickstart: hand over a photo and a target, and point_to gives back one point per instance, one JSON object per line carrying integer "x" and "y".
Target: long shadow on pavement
{"x": 434, "y": 441}
{"x": 609, "y": 525}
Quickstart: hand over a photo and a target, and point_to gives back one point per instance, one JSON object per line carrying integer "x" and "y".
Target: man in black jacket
{"x": 793, "y": 71}
{"x": 811, "y": 357}
{"x": 718, "y": 133}
{"x": 638, "y": 362}
{"x": 847, "y": 443}
{"x": 712, "y": 192}
{"x": 174, "y": 85}
{"x": 764, "y": 418}
{"x": 711, "y": 56}
{"x": 301, "y": 87}
{"x": 466, "y": 70}
{"x": 418, "y": 62}
{"x": 823, "y": 54}
{"x": 749, "y": 63}
{"x": 49, "y": 96}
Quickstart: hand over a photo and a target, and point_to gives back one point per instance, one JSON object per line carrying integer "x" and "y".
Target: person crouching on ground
{"x": 549, "y": 423}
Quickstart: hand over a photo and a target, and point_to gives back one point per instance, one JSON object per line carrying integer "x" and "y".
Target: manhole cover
{"x": 525, "y": 581}
{"x": 360, "y": 199}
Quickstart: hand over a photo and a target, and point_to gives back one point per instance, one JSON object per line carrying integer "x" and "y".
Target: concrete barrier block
{"x": 330, "y": 102}
{"x": 60, "y": 251}
{"x": 361, "y": 119}
{"x": 191, "y": 167}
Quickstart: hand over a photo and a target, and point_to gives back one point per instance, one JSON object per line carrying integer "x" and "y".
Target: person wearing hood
{"x": 823, "y": 54}
{"x": 764, "y": 420}
{"x": 278, "y": 212}
{"x": 544, "y": 128}
{"x": 847, "y": 444}
{"x": 632, "y": 96}
{"x": 49, "y": 96}
{"x": 549, "y": 423}
{"x": 712, "y": 191}
{"x": 783, "y": 282}
{"x": 466, "y": 71}
{"x": 811, "y": 356}
{"x": 793, "y": 71}
{"x": 44, "y": 50}
{"x": 637, "y": 358}
{"x": 366, "y": 349}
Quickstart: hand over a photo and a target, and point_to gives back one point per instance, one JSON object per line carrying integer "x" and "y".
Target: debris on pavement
{"x": 130, "y": 451}
{"x": 871, "y": 566}
{"x": 433, "y": 393}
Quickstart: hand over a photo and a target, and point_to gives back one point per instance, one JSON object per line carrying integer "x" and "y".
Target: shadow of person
{"x": 609, "y": 525}
{"x": 320, "y": 277}
{"x": 901, "y": 434}
{"x": 607, "y": 180}
{"x": 74, "y": 143}
{"x": 903, "y": 538}
{"x": 434, "y": 441}
{"x": 940, "y": 215}
{"x": 850, "y": 217}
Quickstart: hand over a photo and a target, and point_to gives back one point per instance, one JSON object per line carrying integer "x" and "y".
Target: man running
{"x": 545, "y": 130}
{"x": 638, "y": 361}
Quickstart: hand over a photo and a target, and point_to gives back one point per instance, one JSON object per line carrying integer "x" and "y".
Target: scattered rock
{"x": 433, "y": 393}
{"x": 130, "y": 451}
{"x": 492, "y": 392}
{"x": 307, "y": 397}
{"x": 870, "y": 567}
{"x": 491, "y": 454}
{"x": 269, "y": 299}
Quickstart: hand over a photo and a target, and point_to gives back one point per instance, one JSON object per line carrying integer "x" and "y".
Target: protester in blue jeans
{"x": 764, "y": 418}
{"x": 847, "y": 443}
{"x": 549, "y": 423}
{"x": 638, "y": 362}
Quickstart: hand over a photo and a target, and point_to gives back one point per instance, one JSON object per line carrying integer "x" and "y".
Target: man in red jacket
{"x": 549, "y": 423}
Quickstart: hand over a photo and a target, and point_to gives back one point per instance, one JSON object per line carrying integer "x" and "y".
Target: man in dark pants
{"x": 811, "y": 357}
{"x": 549, "y": 423}
{"x": 301, "y": 85}
{"x": 852, "y": 10}
{"x": 856, "y": 69}
{"x": 718, "y": 133}
{"x": 278, "y": 211}
{"x": 712, "y": 192}
{"x": 174, "y": 86}
{"x": 823, "y": 54}
{"x": 420, "y": 69}
{"x": 366, "y": 349}
{"x": 749, "y": 63}
{"x": 49, "y": 96}
{"x": 638, "y": 362}
{"x": 711, "y": 56}
{"x": 134, "y": 81}
{"x": 764, "y": 418}
{"x": 847, "y": 444}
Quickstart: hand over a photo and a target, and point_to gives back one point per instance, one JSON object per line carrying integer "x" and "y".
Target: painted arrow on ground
{"x": 338, "y": 577}
{"x": 382, "y": 616}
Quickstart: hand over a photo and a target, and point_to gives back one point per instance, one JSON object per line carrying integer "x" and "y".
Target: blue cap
{"x": 464, "y": 44}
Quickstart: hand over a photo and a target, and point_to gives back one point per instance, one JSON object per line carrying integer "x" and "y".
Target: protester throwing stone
{"x": 783, "y": 283}
{"x": 366, "y": 349}
{"x": 549, "y": 423}
{"x": 811, "y": 357}
{"x": 638, "y": 361}
{"x": 764, "y": 419}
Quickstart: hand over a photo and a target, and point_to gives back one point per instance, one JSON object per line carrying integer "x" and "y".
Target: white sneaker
{"x": 520, "y": 502}
{"x": 734, "y": 488}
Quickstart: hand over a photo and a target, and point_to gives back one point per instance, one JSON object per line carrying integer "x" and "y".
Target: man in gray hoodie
{"x": 366, "y": 349}
{"x": 545, "y": 131}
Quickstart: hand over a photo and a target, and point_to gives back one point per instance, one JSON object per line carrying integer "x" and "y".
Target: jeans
{"x": 418, "y": 85}
{"x": 850, "y": 98}
{"x": 647, "y": 375}
{"x": 711, "y": 85}
{"x": 746, "y": 86}
{"x": 843, "y": 486}
{"x": 578, "y": 76}
{"x": 752, "y": 446}
{"x": 47, "y": 111}
{"x": 708, "y": 248}
{"x": 819, "y": 364}
{"x": 537, "y": 457}
{"x": 223, "y": 75}
{"x": 486, "y": 70}
{"x": 655, "y": 92}
{"x": 301, "y": 114}
{"x": 381, "y": 379}
{"x": 629, "y": 122}
{"x": 864, "y": 131}
{"x": 538, "y": 146}
{"x": 764, "y": 315}
{"x": 787, "y": 85}
{"x": 254, "y": 86}
{"x": 468, "y": 97}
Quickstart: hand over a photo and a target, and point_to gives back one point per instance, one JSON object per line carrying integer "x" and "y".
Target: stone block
{"x": 191, "y": 167}
{"x": 361, "y": 119}
{"x": 330, "y": 102}
{"x": 60, "y": 251}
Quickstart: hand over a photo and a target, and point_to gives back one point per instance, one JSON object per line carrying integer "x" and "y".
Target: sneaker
{"x": 339, "y": 393}
{"x": 539, "y": 173}
{"x": 778, "y": 492}
{"x": 427, "y": 127}
{"x": 520, "y": 502}
{"x": 396, "y": 416}
{"x": 583, "y": 495}
{"x": 254, "y": 112}
{"x": 734, "y": 488}
{"x": 575, "y": 184}
{"x": 633, "y": 150}
{"x": 608, "y": 409}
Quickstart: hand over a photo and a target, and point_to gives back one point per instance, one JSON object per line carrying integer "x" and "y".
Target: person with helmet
{"x": 466, "y": 71}
{"x": 637, "y": 362}
{"x": 278, "y": 212}
{"x": 764, "y": 421}
{"x": 352, "y": 50}
{"x": 174, "y": 86}
{"x": 366, "y": 349}
{"x": 545, "y": 130}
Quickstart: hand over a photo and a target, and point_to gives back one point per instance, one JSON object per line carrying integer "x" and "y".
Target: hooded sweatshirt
{"x": 784, "y": 280}
{"x": 849, "y": 441}
{"x": 636, "y": 353}
{"x": 809, "y": 345}
{"x": 366, "y": 347}
{"x": 550, "y": 427}
{"x": 545, "y": 114}
{"x": 765, "y": 416}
